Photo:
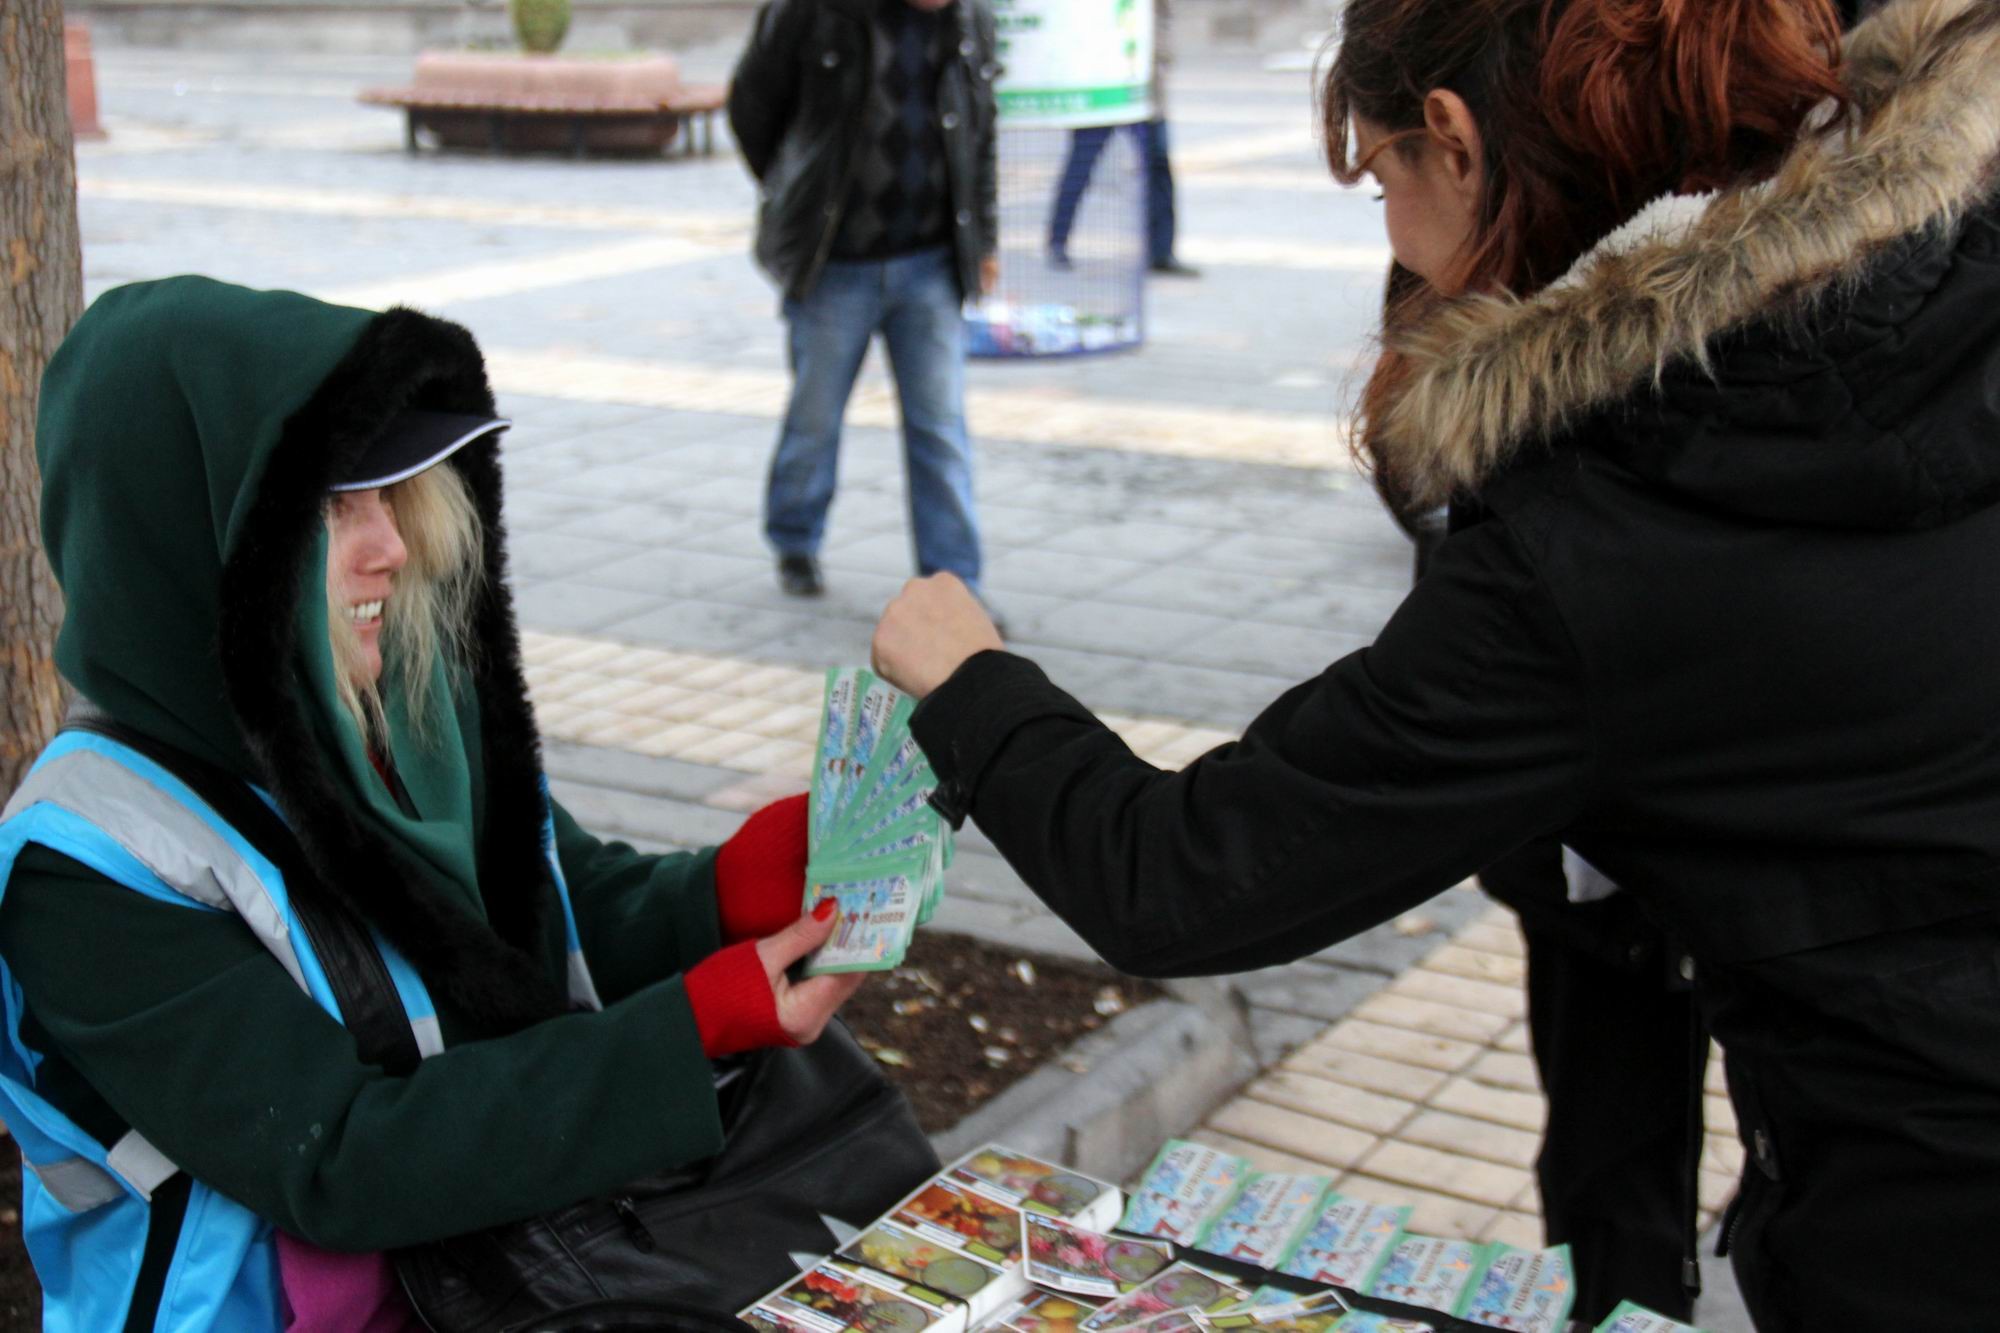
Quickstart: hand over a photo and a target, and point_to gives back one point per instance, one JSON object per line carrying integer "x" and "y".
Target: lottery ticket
{"x": 833, "y": 1296}
{"x": 879, "y": 701}
{"x": 1630, "y": 1318}
{"x": 1070, "y": 1258}
{"x": 836, "y": 739}
{"x": 1045, "y": 1312}
{"x": 1177, "y": 1287}
{"x": 1036, "y": 1186}
{"x": 878, "y": 909}
{"x": 1268, "y": 1213}
{"x": 1274, "y": 1303}
{"x": 1361, "y": 1321}
{"x": 1346, "y": 1243}
{"x": 1522, "y": 1291}
{"x": 937, "y": 1262}
{"x": 1430, "y": 1271}
{"x": 1187, "y": 1187}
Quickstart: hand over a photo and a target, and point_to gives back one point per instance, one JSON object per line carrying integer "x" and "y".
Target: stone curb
{"x": 1108, "y": 1102}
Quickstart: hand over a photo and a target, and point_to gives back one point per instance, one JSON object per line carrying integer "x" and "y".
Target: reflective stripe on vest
{"x": 119, "y": 813}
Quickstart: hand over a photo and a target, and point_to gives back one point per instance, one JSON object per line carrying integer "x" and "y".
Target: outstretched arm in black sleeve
{"x": 1460, "y": 734}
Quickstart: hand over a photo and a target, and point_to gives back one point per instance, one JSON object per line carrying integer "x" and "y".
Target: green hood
{"x": 188, "y": 432}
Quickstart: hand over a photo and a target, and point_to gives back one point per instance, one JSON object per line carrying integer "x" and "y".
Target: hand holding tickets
{"x": 874, "y": 844}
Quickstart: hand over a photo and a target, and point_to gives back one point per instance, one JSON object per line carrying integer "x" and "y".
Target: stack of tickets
{"x": 874, "y": 842}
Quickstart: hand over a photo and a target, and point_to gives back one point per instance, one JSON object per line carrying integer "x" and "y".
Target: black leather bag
{"x": 815, "y": 1142}
{"x": 817, "y": 1137}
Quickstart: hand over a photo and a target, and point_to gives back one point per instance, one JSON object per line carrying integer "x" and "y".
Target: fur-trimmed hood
{"x": 1793, "y": 289}
{"x": 188, "y": 434}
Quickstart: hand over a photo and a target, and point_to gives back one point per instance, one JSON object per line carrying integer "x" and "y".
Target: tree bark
{"x": 41, "y": 295}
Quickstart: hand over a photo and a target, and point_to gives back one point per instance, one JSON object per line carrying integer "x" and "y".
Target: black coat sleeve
{"x": 764, "y": 90}
{"x": 1460, "y": 734}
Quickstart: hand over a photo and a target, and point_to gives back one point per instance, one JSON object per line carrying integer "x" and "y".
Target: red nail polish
{"x": 824, "y": 909}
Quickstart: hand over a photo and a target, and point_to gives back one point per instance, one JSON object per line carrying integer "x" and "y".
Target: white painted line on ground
{"x": 716, "y": 227}
{"x": 127, "y": 137}
{"x": 694, "y": 236}
{"x": 1030, "y": 416}
{"x": 239, "y": 85}
{"x": 511, "y": 277}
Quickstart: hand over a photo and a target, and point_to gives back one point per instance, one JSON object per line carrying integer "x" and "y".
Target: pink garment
{"x": 327, "y": 1292}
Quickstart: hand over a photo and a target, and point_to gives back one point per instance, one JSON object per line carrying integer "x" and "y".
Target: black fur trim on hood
{"x": 491, "y": 970}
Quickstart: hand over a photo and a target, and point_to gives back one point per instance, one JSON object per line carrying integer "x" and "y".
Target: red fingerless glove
{"x": 734, "y": 1009}
{"x": 760, "y": 873}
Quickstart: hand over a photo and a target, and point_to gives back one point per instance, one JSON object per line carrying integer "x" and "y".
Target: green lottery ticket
{"x": 1430, "y": 1271}
{"x": 1630, "y": 1318}
{"x": 836, "y": 742}
{"x": 878, "y": 704}
{"x": 1311, "y": 1314}
{"x": 879, "y": 902}
{"x": 1268, "y": 1214}
{"x": 1524, "y": 1291}
{"x": 1347, "y": 1243}
{"x": 872, "y": 833}
{"x": 1187, "y": 1187}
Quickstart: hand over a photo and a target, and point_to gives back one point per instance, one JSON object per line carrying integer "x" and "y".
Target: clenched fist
{"x": 928, "y": 631}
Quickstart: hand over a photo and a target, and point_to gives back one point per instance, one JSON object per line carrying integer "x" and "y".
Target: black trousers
{"x": 1610, "y": 1029}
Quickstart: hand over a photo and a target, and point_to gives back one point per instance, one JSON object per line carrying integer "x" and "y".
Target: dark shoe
{"x": 799, "y": 576}
{"x": 1059, "y": 259}
{"x": 1174, "y": 268}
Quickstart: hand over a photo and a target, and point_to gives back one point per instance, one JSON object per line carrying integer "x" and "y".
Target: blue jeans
{"x": 914, "y": 301}
{"x": 1085, "y": 147}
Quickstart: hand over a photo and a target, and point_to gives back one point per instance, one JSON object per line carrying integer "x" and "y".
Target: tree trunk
{"x": 41, "y": 295}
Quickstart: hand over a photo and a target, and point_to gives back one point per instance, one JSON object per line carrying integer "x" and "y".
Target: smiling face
{"x": 364, "y": 554}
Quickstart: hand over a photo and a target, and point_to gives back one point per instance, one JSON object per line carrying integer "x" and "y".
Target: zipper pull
{"x": 635, "y": 1230}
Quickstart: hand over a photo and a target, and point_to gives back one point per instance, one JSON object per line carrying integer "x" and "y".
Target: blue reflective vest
{"x": 85, "y": 1204}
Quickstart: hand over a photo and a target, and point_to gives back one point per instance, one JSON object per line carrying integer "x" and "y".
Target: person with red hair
{"x": 1698, "y": 327}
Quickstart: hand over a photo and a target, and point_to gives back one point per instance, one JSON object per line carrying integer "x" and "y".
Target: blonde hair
{"x": 429, "y": 616}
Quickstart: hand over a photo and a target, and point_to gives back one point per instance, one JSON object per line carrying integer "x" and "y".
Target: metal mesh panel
{"x": 1093, "y": 180}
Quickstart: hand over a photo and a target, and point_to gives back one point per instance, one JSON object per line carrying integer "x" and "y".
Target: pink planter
{"x": 510, "y": 101}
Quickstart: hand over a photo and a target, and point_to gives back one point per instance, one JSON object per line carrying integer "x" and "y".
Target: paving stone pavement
{"x": 1425, "y": 1094}
{"x": 1176, "y": 534}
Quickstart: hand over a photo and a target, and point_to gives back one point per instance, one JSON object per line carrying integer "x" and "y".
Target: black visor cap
{"x": 414, "y": 440}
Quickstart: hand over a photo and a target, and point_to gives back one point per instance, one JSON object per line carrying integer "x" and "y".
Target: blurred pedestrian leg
{"x": 1159, "y": 193}
{"x": 924, "y": 328}
{"x": 829, "y": 333}
{"x": 1085, "y": 147}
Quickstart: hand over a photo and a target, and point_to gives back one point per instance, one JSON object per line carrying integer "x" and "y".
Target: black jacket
{"x": 1730, "y": 627}
{"x": 796, "y": 108}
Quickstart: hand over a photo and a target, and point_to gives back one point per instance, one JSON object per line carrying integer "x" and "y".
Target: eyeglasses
{"x": 1362, "y": 167}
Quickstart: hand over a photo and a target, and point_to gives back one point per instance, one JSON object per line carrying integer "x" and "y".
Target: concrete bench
{"x": 507, "y": 102}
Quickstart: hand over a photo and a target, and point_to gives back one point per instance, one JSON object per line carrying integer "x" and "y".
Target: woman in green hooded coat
{"x": 277, "y": 527}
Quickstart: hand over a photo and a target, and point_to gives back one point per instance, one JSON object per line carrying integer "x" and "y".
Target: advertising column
{"x": 1069, "y": 63}
{"x": 1072, "y": 206}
